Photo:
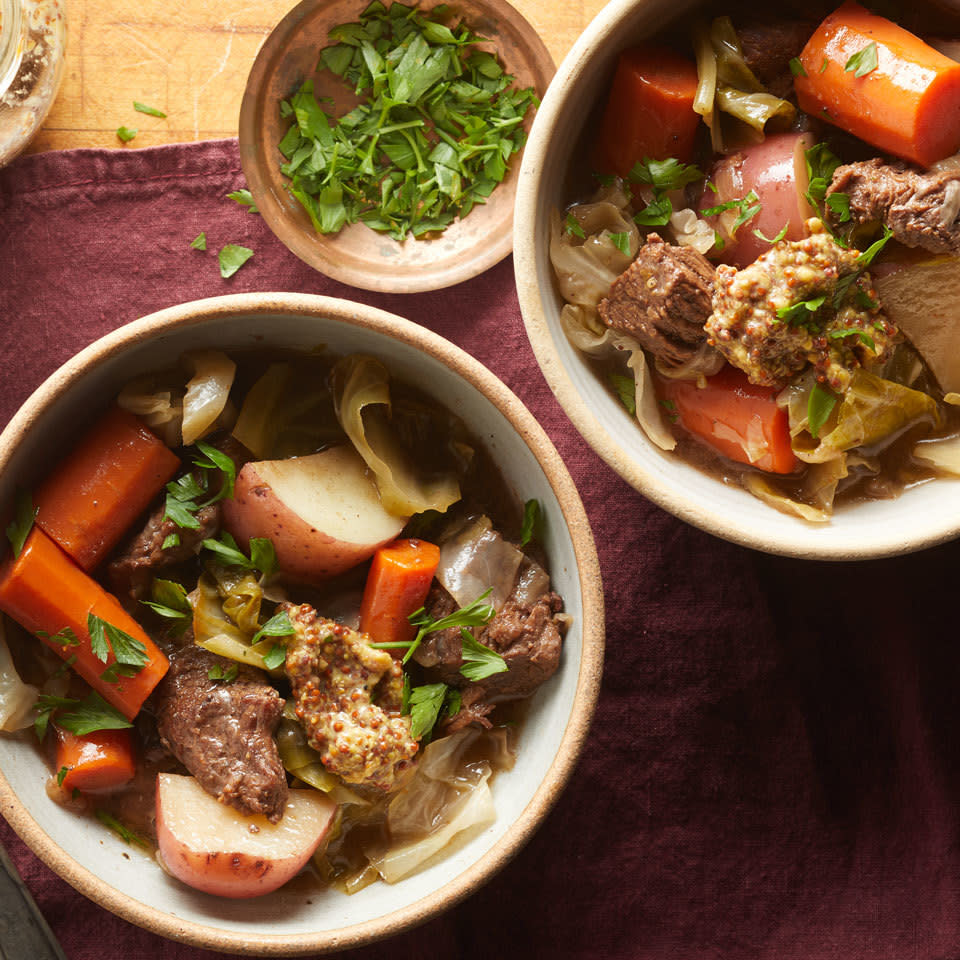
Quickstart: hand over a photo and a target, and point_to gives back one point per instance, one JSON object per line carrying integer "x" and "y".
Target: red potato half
{"x": 322, "y": 512}
{"x": 776, "y": 170}
{"x": 213, "y": 848}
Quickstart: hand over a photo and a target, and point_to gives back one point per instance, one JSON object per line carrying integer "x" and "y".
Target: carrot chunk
{"x": 103, "y": 485}
{"x": 908, "y": 104}
{"x": 649, "y": 112}
{"x": 738, "y": 419}
{"x": 397, "y": 585}
{"x": 49, "y": 595}
{"x": 95, "y": 762}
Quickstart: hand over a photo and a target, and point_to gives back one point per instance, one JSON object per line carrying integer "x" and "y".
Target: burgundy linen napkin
{"x": 773, "y": 768}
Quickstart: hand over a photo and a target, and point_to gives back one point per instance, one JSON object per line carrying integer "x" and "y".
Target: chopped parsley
{"x": 221, "y": 674}
{"x": 626, "y": 389}
{"x": 749, "y": 206}
{"x": 621, "y": 241}
{"x": 24, "y": 513}
{"x": 169, "y": 600}
{"x": 853, "y": 332}
{"x": 62, "y": 775}
{"x": 573, "y": 228}
{"x": 86, "y": 716}
{"x": 45, "y": 707}
{"x": 863, "y": 61}
{"x": 184, "y": 494}
{"x": 262, "y": 557}
{"x": 105, "y": 637}
{"x": 436, "y": 126}
{"x": 801, "y": 313}
{"x": 122, "y": 831}
{"x": 126, "y": 134}
{"x": 232, "y": 257}
{"x": 479, "y": 661}
{"x": 278, "y": 625}
{"x": 819, "y": 407}
{"x": 663, "y": 176}
{"x": 532, "y": 526}
{"x": 64, "y": 637}
{"x": 797, "y": 68}
{"x": 425, "y": 703}
{"x": 839, "y": 204}
{"x": 671, "y": 409}
{"x": 149, "y": 111}
{"x": 823, "y": 66}
{"x": 275, "y": 657}
{"x": 245, "y": 198}
{"x": 760, "y": 235}
{"x": 199, "y": 242}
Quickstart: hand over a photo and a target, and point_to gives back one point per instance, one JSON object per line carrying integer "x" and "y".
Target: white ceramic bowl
{"x": 129, "y": 882}
{"x": 922, "y": 516}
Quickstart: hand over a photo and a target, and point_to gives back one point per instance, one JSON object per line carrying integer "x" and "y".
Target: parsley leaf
{"x": 573, "y": 228}
{"x": 532, "y": 526}
{"x": 149, "y": 111}
{"x": 626, "y": 389}
{"x": 123, "y": 831}
{"x": 760, "y": 235}
{"x": 62, "y": 775}
{"x": 170, "y": 540}
{"x": 245, "y": 199}
{"x": 278, "y": 625}
{"x": 232, "y": 257}
{"x": 214, "y": 459}
{"x": 819, "y": 407}
{"x": 749, "y": 206}
{"x": 275, "y": 657}
{"x": 800, "y": 313}
{"x": 863, "y": 61}
{"x": 657, "y": 213}
{"x": 126, "y": 134}
{"x": 169, "y": 600}
{"x": 65, "y": 637}
{"x": 199, "y": 242}
{"x": 425, "y": 703}
{"x": 128, "y": 651}
{"x": 853, "y": 332}
{"x": 665, "y": 175}
{"x": 45, "y": 707}
{"x": 24, "y": 513}
{"x": 479, "y": 661}
{"x": 220, "y": 674}
{"x": 796, "y": 67}
{"x": 91, "y": 714}
{"x": 621, "y": 241}
{"x": 839, "y": 204}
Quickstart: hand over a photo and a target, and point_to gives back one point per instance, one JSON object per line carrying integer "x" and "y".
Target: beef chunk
{"x": 919, "y": 207}
{"x": 527, "y": 635}
{"x": 662, "y": 300}
{"x": 133, "y": 568}
{"x": 222, "y": 732}
{"x": 769, "y": 46}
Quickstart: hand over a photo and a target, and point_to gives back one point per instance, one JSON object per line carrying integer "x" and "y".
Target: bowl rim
{"x": 491, "y": 250}
{"x": 533, "y": 290}
{"x": 588, "y": 682}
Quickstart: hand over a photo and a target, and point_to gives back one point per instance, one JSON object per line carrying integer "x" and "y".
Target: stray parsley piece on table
{"x": 232, "y": 257}
{"x": 126, "y": 134}
{"x": 149, "y": 111}
{"x": 431, "y": 138}
{"x": 244, "y": 198}
{"x": 199, "y": 242}
{"x": 24, "y": 513}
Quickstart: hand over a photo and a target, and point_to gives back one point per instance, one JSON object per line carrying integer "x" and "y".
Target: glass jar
{"x": 32, "y": 44}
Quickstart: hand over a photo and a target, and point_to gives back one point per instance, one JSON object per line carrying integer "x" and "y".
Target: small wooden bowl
{"x": 358, "y": 255}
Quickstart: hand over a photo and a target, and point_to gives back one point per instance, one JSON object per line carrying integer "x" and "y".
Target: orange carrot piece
{"x": 909, "y": 105}
{"x": 96, "y": 762}
{"x": 738, "y": 419}
{"x": 649, "y": 112}
{"x": 103, "y": 485}
{"x": 397, "y": 585}
{"x": 45, "y": 591}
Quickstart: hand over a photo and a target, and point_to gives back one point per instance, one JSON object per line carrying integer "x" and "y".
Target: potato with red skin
{"x": 321, "y": 512}
{"x": 216, "y": 849}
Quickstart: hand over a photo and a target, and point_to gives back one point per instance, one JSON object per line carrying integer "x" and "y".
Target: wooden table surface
{"x": 191, "y": 60}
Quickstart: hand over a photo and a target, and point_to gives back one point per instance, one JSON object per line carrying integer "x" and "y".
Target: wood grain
{"x": 191, "y": 60}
